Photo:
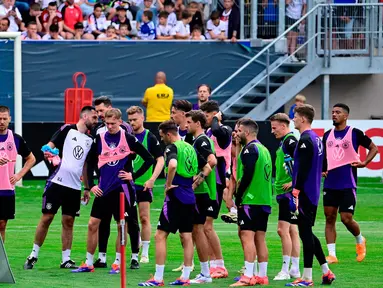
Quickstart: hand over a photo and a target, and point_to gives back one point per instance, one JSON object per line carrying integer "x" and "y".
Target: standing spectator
{"x": 96, "y": 22}
{"x": 215, "y": 27}
{"x": 7, "y": 10}
{"x": 268, "y": 28}
{"x": 148, "y": 6}
{"x": 121, "y": 18}
{"x": 33, "y": 16}
{"x": 300, "y": 100}
{"x": 124, "y": 32}
{"x": 111, "y": 34}
{"x": 51, "y": 16}
{"x": 158, "y": 100}
{"x": 231, "y": 17}
{"x": 53, "y": 33}
{"x": 182, "y": 29}
{"x": 294, "y": 11}
{"x": 72, "y": 14}
{"x": 4, "y": 25}
{"x": 164, "y": 30}
{"x": 197, "y": 19}
{"x": 197, "y": 34}
{"x": 172, "y": 18}
{"x": 31, "y": 33}
{"x": 147, "y": 28}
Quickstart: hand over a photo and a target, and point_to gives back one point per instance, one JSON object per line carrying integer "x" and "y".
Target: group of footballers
{"x": 205, "y": 163}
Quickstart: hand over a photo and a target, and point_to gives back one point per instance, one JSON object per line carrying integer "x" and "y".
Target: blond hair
{"x": 300, "y": 98}
{"x": 281, "y": 117}
{"x": 134, "y": 109}
{"x": 114, "y": 112}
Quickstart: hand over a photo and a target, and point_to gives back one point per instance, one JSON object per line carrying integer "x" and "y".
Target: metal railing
{"x": 302, "y": 44}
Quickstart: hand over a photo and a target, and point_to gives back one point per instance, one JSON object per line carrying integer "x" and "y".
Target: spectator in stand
{"x": 148, "y": 7}
{"x": 33, "y": 16}
{"x": 179, "y": 7}
{"x": 164, "y": 30}
{"x": 231, "y": 17}
{"x": 197, "y": 34}
{"x": 110, "y": 35}
{"x": 72, "y": 14}
{"x": 54, "y": 33}
{"x": 124, "y": 32}
{"x": 31, "y": 33}
{"x": 87, "y": 7}
{"x": 345, "y": 16}
{"x": 158, "y": 100}
{"x": 121, "y": 18}
{"x": 295, "y": 9}
{"x": 4, "y": 25}
{"x": 299, "y": 101}
{"x": 197, "y": 19}
{"x": 51, "y": 16}
{"x": 182, "y": 29}
{"x": 147, "y": 28}
{"x": 79, "y": 32}
{"x": 172, "y": 18}
{"x": 10, "y": 11}
{"x": 112, "y": 12}
{"x": 96, "y": 22}
{"x": 215, "y": 27}
{"x": 204, "y": 92}
{"x": 269, "y": 19}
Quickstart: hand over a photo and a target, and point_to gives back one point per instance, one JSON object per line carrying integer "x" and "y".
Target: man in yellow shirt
{"x": 158, "y": 100}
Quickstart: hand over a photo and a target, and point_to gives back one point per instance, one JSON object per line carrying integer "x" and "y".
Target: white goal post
{"x": 18, "y": 111}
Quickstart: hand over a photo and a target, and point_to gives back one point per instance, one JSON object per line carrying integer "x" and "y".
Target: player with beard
{"x": 340, "y": 165}
{"x": 144, "y": 184}
{"x": 204, "y": 92}
{"x": 221, "y": 136}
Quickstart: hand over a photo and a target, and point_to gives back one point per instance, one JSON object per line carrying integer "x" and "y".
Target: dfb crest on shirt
{"x": 320, "y": 146}
{"x": 9, "y": 146}
{"x": 78, "y": 152}
{"x": 346, "y": 144}
{"x": 88, "y": 142}
{"x": 330, "y": 143}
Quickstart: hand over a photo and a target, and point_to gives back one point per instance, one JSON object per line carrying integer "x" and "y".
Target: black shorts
{"x": 7, "y": 207}
{"x": 176, "y": 215}
{"x": 215, "y": 205}
{"x": 201, "y": 206}
{"x": 344, "y": 199}
{"x": 253, "y": 217}
{"x": 284, "y": 211}
{"x": 109, "y": 205}
{"x": 307, "y": 210}
{"x": 56, "y": 196}
{"x": 143, "y": 196}
{"x": 290, "y": 22}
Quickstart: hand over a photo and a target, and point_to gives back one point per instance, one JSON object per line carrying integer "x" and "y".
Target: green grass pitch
{"x": 46, "y": 273}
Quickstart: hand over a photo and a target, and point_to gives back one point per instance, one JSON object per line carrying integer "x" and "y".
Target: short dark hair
{"x": 182, "y": 105}
{"x": 148, "y": 14}
{"x": 306, "y": 111}
{"x": 185, "y": 14}
{"x": 86, "y": 109}
{"x": 4, "y": 109}
{"x": 111, "y": 27}
{"x": 8, "y": 21}
{"x": 197, "y": 28}
{"x": 125, "y": 25}
{"x": 54, "y": 28}
{"x": 168, "y": 127}
{"x": 169, "y": 3}
{"x": 210, "y": 106}
{"x": 97, "y": 5}
{"x": 35, "y": 7}
{"x": 32, "y": 23}
{"x": 79, "y": 25}
{"x": 197, "y": 116}
{"x": 250, "y": 124}
{"x": 281, "y": 117}
{"x": 52, "y": 4}
{"x": 343, "y": 106}
{"x": 215, "y": 15}
{"x": 207, "y": 86}
{"x": 163, "y": 14}
{"x": 103, "y": 100}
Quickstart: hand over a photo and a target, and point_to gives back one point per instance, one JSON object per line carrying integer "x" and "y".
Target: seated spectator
{"x": 215, "y": 27}
{"x": 148, "y": 7}
{"x": 197, "y": 34}
{"x": 182, "y": 29}
{"x": 53, "y": 33}
{"x": 111, "y": 34}
{"x": 147, "y": 27}
{"x": 121, "y": 18}
{"x": 113, "y": 11}
{"x": 4, "y": 25}
{"x": 72, "y": 14}
{"x": 299, "y": 101}
{"x": 79, "y": 32}
{"x": 197, "y": 19}
{"x": 172, "y": 18}
{"x": 124, "y": 31}
{"x": 45, "y": 4}
{"x": 179, "y": 7}
{"x": 87, "y": 7}
{"x": 31, "y": 33}
{"x": 33, "y": 16}
{"x": 96, "y": 22}
{"x": 231, "y": 17}
{"x": 51, "y": 16}
{"x": 8, "y": 10}
{"x": 164, "y": 30}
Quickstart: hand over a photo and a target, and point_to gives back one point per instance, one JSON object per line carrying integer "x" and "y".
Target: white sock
{"x": 159, "y": 275}
{"x": 307, "y": 274}
{"x": 186, "y": 272}
{"x": 134, "y": 256}
{"x": 331, "y": 249}
{"x": 286, "y": 264}
{"x": 102, "y": 257}
{"x": 249, "y": 269}
{"x": 220, "y": 263}
{"x": 145, "y": 248}
{"x": 233, "y": 210}
{"x": 35, "y": 251}
{"x": 325, "y": 268}
{"x": 89, "y": 259}
{"x": 262, "y": 269}
{"x": 255, "y": 268}
{"x": 213, "y": 264}
{"x": 205, "y": 268}
{"x": 294, "y": 264}
{"x": 118, "y": 259}
{"x": 359, "y": 239}
{"x": 65, "y": 255}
